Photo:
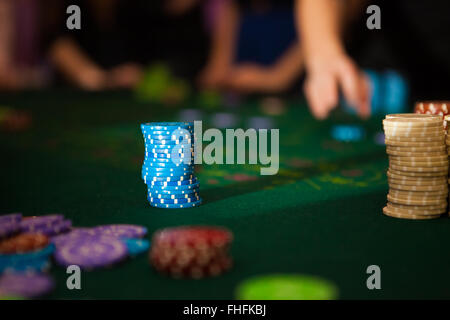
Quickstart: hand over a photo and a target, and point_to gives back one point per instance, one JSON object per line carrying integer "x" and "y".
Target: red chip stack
{"x": 433, "y": 107}
{"x": 193, "y": 251}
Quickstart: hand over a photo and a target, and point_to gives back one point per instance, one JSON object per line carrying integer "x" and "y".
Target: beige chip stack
{"x": 418, "y": 166}
{"x": 447, "y": 136}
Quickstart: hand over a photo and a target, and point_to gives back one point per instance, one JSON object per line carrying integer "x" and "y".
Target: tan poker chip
{"x": 439, "y": 184}
{"x": 436, "y": 194}
{"x": 442, "y": 157}
{"x": 402, "y": 143}
{"x": 415, "y": 150}
{"x": 415, "y": 154}
{"x": 418, "y": 174}
{"x": 419, "y": 164}
{"x": 435, "y": 137}
{"x": 419, "y": 169}
{"x": 413, "y": 134}
{"x": 413, "y": 207}
{"x": 420, "y": 211}
{"x": 411, "y": 201}
{"x": 441, "y": 187}
{"x": 413, "y": 118}
{"x": 399, "y": 175}
{"x": 388, "y": 212}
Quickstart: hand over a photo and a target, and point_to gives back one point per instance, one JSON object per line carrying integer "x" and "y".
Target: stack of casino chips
{"x": 168, "y": 168}
{"x": 192, "y": 252}
{"x": 418, "y": 166}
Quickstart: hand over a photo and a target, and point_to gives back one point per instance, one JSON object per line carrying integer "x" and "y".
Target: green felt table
{"x": 320, "y": 215}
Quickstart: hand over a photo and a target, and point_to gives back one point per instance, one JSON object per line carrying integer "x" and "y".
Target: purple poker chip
{"x": 76, "y": 234}
{"x": 32, "y": 223}
{"x": 51, "y": 230}
{"x": 8, "y": 228}
{"x": 27, "y": 285}
{"x": 12, "y": 217}
{"x": 122, "y": 230}
{"x": 90, "y": 254}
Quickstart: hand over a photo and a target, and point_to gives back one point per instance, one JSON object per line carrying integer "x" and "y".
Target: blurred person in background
{"x": 414, "y": 37}
{"x": 118, "y": 37}
{"x": 21, "y": 65}
{"x": 254, "y": 47}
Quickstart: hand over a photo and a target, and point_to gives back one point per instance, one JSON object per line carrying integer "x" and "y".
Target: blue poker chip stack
{"x": 168, "y": 168}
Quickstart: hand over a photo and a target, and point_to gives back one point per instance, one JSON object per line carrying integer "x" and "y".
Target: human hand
{"x": 250, "y": 78}
{"x": 126, "y": 75}
{"x": 326, "y": 75}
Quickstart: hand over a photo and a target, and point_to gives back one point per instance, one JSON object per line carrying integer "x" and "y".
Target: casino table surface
{"x": 320, "y": 215}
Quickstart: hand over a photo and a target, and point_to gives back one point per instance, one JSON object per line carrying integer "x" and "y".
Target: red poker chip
{"x": 213, "y": 268}
{"x": 432, "y": 107}
{"x": 22, "y": 243}
{"x": 195, "y": 236}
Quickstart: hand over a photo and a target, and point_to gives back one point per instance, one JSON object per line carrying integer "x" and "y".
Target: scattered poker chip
{"x": 347, "y": 133}
{"x": 177, "y": 206}
{"x": 30, "y": 223}
{"x": 88, "y": 254}
{"x": 22, "y": 243}
{"x": 286, "y": 287}
{"x": 122, "y": 230}
{"x": 35, "y": 261}
{"x": 8, "y": 228}
{"x": 51, "y": 230}
{"x": 27, "y": 285}
{"x": 136, "y": 246}
{"x": 12, "y": 217}
{"x": 191, "y": 251}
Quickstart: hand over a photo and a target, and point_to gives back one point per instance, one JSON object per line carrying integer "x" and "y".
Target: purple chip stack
{"x": 9, "y": 224}
{"x": 25, "y": 285}
{"x": 96, "y": 247}
{"x": 49, "y": 225}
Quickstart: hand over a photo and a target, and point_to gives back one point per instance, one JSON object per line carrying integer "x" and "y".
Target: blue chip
{"x": 395, "y": 92}
{"x": 157, "y": 164}
{"x": 168, "y": 143}
{"x": 170, "y": 188}
{"x": 173, "y": 183}
{"x": 347, "y": 132}
{"x": 159, "y": 137}
{"x": 168, "y": 155}
{"x": 167, "y": 125}
{"x": 179, "y": 149}
{"x": 149, "y": 176}
{"x": 173, "y": 201}
{"x": 32, "y": 261}
{"x": 177, "y": 193}
{"x": 190, "y": 195}
{"x": 177, "y": 206}
{"x": 187, "y": 168}
{"x": 186, "y": 177}
{"x": 136, "y": 246}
